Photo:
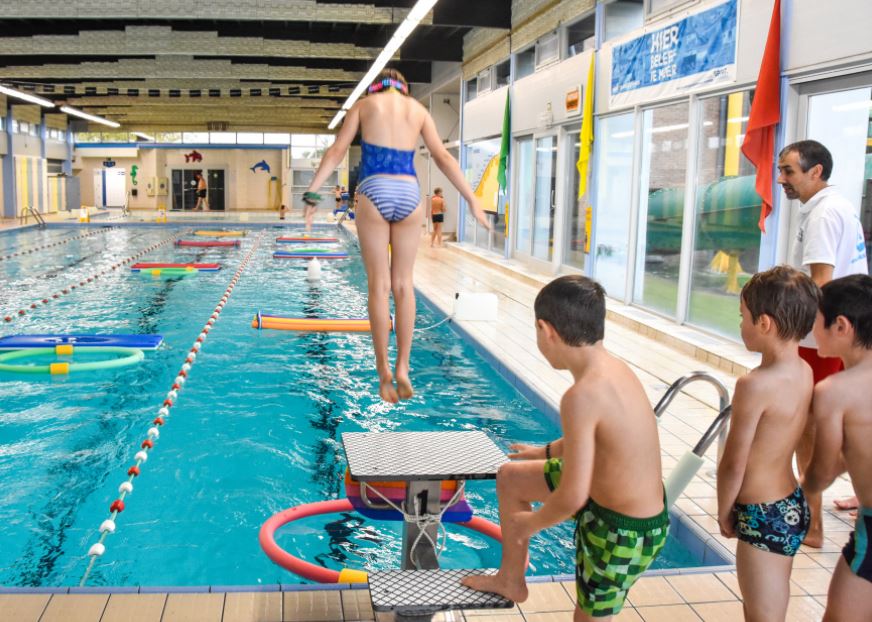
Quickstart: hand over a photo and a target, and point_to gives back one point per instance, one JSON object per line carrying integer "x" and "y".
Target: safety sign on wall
{"x": 694, "y": 52}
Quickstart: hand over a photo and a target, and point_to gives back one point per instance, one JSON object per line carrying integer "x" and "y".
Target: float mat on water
{"x": 202, "y": 267}
{"x": 207, "y": 243}
{"x": 290, "y": 240}
{"x": 23, "y": 342}
{"x": 292, "y": 255}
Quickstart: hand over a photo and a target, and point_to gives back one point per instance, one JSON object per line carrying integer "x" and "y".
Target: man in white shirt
{"x": 829, "y": 244}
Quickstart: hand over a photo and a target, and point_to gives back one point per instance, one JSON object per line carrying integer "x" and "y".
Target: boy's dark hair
{"x": 850, "y": 296}
{"x": 811, "y": 153}
{"x": 786, "y": 295}
{"x": 576, "y": 307}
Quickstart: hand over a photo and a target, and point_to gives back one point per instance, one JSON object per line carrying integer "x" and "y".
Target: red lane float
{"x": 207, "y": 243}
{"x": 203, "y": 267}
{"x": 310, "y": 571}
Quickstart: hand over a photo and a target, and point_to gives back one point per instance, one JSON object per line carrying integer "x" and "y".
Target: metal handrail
{"x": 37, "y": 216}
{"x": 718, "y": 429}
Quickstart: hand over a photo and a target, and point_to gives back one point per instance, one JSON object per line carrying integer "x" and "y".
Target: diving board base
{"x": 419, "y": 594}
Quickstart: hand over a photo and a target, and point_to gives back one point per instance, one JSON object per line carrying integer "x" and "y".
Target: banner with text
{"x": 695, "y": 52}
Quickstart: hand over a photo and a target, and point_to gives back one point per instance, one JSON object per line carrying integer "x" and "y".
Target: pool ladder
{"x": 29, "y": 211}
{"x": 692, "y": 461}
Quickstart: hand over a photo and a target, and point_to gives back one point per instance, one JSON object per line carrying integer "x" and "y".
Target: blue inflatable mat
{"x": 22, "y": 342}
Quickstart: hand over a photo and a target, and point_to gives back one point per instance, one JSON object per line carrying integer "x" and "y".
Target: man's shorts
{"x": 612, "y": 550}
{"x": 438, "y": 217}
{"x": 776, "y": 527}
{"x": 858, "y": 551}
{"x": 201, "y": 193}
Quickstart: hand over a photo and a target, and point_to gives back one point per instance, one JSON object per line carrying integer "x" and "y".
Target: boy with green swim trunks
{"x": 843, "y": 438}
{"x": 605, "y": 471}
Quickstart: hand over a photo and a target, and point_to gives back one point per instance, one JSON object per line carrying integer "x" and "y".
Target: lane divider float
{"x": 153, "y": 434}
{"x": 57, "y": 243}
{"x": 90, "y": 279}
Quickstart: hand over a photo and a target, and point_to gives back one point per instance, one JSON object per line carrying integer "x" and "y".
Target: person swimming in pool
{"x": 390, "y": 210}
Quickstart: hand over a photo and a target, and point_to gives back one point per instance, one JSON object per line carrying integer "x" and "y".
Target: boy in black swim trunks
{"x": 843, "y": 439}
{"x": 605, "y": 471}
{"x": 759, "y": 500}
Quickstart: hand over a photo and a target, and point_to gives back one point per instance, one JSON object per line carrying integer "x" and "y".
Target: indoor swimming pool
{"x": 255, "y": 430}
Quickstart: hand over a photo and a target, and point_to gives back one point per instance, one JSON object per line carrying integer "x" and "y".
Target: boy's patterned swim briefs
{"x": 776, "y": 527}
{"x": 612, "y": 550}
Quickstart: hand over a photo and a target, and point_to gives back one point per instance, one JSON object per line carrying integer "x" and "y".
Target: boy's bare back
{"x": 844, "y": 397}
{"x": 780, "y": 395}
{"x": 627, "y": 475}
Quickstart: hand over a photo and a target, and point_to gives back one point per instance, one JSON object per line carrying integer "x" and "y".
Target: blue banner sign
{"x": 696, "y": 51}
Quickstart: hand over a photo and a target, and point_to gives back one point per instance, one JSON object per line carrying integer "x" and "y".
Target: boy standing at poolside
{"x": 759, "y": 500}
{"x": 843, "y": 415}
{"x": 605, "y": 471}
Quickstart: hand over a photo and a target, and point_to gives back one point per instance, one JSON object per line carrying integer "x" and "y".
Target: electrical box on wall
{"x": 163, "y": 185}
{"x": 150, "y": 185}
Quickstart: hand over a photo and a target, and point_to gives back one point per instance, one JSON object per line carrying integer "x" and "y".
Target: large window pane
{"x": 546, "y": 181}
{"x": 523, "y": 202}
{"x": 614, "y": 174}
{"x": 482, "y": 164}
{"x": 661, "y": 206}
{"x": 726, "y": 246}
{"x": 573, "y": 254}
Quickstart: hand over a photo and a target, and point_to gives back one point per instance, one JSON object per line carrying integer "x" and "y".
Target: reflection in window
{"x": 623, "y": 16}
{"x": 195, "y": 137}
{"x": 614, "y": 174}
{"x": 525, "y": 62}
{"x": 502, "y": 73}
{"x": 482, "y": 163}
{"x": 544, "y": 207}
{"x": 661, "y": 206}
{"x": 726, "y": 245}
{"x": 85, "y": 137}
{"x": 579, "y": 35}
{"x": 523, "y": 202}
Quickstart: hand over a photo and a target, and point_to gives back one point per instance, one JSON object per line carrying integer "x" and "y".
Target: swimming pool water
{"x": 255, "y": 430}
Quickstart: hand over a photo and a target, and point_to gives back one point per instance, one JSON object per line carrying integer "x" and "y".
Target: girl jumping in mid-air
{"x": 390, "y": 211}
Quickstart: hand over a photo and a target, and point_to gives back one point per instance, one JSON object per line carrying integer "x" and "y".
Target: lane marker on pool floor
{"x": 153, "y": 434}
{"x": 58, "y": 243}
{"x": 90, "y": 279}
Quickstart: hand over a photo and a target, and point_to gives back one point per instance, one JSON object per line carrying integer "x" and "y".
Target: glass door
{"x": 545, "y": 203}
{"x": 523, "y": 202}
{"x": 839, "y": 115}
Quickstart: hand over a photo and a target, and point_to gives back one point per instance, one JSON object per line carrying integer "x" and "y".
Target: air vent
{"x": 235, "y": 92}
{"x": 274, "y": 92}
{"x": 217, "y": 126}
{"x": 254, "y": 92}
{"x": 90, "y": 90}
{"x": 194, "y": 93}
{"x": 133, "y": 92}
{"x": 314, "y": 89}
{"x": 293, "y": 90}
{"x": 112, "y": 91}
{"x": 154, "y": 92}
{"x": 214, "y": 92}
{"x": 175, "y": 93}
{"x": 69, "y": 90}
{"x": 48, "y": 88}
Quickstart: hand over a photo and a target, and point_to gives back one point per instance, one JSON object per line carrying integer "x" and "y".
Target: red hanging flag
{"x": 759, "y": 143}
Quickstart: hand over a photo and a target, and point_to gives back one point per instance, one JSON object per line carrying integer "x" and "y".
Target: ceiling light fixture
{"x": 89, "y": 117}
{"x": 33, "y": 99}
{"x": 144, "y": 136}
{"x": 421, "y": 8}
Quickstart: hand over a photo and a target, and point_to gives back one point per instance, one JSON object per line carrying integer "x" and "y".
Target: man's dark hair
{"x": 786, "y": 295}
{"x": 576, "y": 307}
{"x": 850, "y": 296}
{"x": 811, "y": 153}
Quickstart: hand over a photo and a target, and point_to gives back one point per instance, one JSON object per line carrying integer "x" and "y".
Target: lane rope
{"x": 90, "y": 279}
{"x": 153, "y": 434}
{"x": 57, "y": 243}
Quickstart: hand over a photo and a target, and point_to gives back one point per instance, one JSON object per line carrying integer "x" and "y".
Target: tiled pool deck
{"x": 657, "y": 351}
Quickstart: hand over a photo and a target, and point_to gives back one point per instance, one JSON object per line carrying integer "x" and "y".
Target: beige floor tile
{"x": 668, "y": 613}
{"x": 193, "y": 608}
{"x": 255, "y": 607}
{"x": 357, "y": 605}
{"x": 700, "y": 588}
{"x": 719, "y": 612}
{"x": 75, "y": 608}
{"x": 653, "y": 591}
{"x": 827, "y": 560}
{"x": 499, "y": 617}
{"x": 731, "y": 581}
{"x": 801, "y": 560}
{"x": 475, "y": 614}
{"x": 815, "y": 581}
{"x": 545, "y": 597}
{"x": 322, "y": 606}
{"x": 134, "y": 608}
{"x": 550, "y": 616}
{"x": 23, "y": 607}
{"x": 804, "y": 609}
{"x": 628, "y": 614}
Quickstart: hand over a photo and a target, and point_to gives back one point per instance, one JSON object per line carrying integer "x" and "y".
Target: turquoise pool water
{"x": 255, "y": 430}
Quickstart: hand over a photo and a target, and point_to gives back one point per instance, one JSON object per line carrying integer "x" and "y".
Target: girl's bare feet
{"x": 404, "y": 385}
{"x": 386, "y": 389}
{"x": 497, "y": 584}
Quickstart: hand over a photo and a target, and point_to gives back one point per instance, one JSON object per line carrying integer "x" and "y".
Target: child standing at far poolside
{"x": 605, "y": 470}
{"x": 843, "y": 440}
{"x": 759, "y": 500}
